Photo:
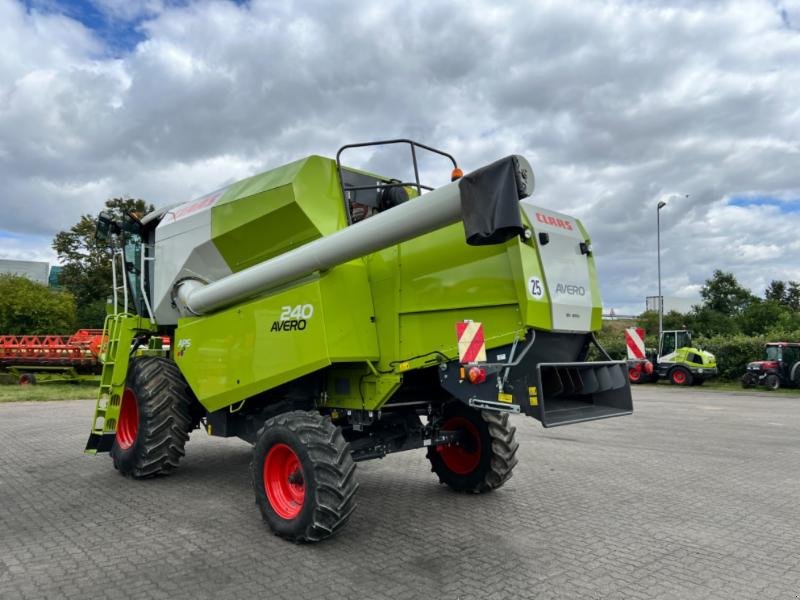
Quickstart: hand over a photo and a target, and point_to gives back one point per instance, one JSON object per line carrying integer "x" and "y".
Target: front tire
{"x": 773, "y": 382}
{"x": 680, "y": 376}
{"x": 303, "y": 476}
{"x": 749, "y": 380}
{"x": 488, "y": 457}
{"x": 154, "y": 421}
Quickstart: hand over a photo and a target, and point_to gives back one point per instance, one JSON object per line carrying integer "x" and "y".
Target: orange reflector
{"x": 477, "y": 375}
{"x": 456, "y": 174}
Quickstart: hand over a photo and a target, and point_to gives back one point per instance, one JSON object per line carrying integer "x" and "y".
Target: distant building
{"x": 681, "y": 305}
{"x": 33, "y": 270}
{"x": 55, "y": 275}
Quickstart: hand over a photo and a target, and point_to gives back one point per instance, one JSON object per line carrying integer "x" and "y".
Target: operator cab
{"x": 772, "y": 353}
{"x": 366, "y": 194}
{"x": 782, "y": 352}
{"x": 672, "y": 340}
{"x": 126, "y": 238}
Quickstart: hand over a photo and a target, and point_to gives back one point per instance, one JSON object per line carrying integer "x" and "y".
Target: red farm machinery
{"x": 52, "y": 358}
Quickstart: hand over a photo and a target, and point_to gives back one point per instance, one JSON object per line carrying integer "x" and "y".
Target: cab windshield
{"x": 684, "y": 339}
{"x": 772, "y": 353}
{"x": 132, "y": 252}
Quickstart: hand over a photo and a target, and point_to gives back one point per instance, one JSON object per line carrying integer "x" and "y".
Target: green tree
{"x": 30, "y": 308}
{"x": 762, "y": 315}
{"x": 723, "y": 294}
{"x": 776, "y": 291}
{"x": 704, "y": 321}
{"x": 792, "y": 296}
{"x": 786, "y": 293}
{"x": 87, "y": 263}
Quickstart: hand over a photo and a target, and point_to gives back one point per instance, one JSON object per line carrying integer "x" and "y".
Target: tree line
{"x": 30, "y": 308}
{"x": 728, "y": 309}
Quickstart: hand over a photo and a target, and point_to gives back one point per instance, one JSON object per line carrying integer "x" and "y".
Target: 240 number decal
{"x": 301, "y": 311}
{"x": 293, "y": 318}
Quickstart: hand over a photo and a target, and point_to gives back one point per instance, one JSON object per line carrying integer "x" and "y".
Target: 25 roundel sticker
{"x": 535, "y": 287}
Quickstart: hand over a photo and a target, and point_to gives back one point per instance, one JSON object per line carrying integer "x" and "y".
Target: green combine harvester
{"x": 327, "y": 316}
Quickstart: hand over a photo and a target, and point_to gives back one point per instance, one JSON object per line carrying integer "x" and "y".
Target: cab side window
{"x": 668, "y": 344}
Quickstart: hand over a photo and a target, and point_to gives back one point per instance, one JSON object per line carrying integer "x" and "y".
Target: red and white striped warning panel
{"x": 634, "y": 339}
{"x": 471, "y": 343}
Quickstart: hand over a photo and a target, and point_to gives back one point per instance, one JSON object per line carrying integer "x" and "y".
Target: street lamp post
{"x": 661, "y": 205}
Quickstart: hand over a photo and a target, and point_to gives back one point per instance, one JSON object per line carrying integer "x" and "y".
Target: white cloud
{"x": 614, "y": 103}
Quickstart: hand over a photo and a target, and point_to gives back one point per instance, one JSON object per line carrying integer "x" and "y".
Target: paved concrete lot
{"x": 695, "y": 496}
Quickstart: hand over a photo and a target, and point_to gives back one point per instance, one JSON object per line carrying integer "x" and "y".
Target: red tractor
{"x": 779, "y": 368}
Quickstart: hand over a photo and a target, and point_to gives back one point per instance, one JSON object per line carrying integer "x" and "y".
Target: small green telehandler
{"x": 327, "y": 315}
{"x": 675, "y": 359}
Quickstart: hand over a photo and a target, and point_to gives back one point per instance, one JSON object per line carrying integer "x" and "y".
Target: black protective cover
{"x": 490, "y": 203}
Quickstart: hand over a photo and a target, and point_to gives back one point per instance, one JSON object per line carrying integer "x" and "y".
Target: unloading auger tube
{"x": 431, "y": 211}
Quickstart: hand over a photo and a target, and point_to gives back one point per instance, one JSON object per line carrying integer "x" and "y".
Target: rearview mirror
{"x": 104, "y": 227}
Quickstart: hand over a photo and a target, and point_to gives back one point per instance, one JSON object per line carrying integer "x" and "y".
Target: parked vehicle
{"x": 52, "y": 358}
{"x": 329, "y": 316}
{"x": 780, "y": 367}
{"x": 676, "y": 359}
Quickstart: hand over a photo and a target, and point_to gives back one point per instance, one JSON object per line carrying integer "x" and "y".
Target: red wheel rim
{"x": 679, "y": 377}
{"x": 634, "y": 375}
{"x": 128, "y": 425}
{"x": 459, "y": 459}
{"x": 284, "y": 481}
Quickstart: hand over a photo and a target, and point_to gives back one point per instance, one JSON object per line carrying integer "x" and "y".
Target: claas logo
{"x": 555, "y": 222}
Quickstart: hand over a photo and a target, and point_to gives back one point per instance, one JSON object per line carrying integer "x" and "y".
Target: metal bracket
{"x": 492, "y": 405}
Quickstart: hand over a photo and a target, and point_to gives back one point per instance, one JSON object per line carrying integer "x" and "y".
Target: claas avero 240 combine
{"x": 328, "y": 316}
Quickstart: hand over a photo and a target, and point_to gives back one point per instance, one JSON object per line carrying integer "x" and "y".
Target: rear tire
{"x": 773, "y": 382}
{"x": 794, "y": 374}
{"x": 680, "y": 376}
{"x": 489, "y": 460}
{"x": 27, "y": 379}
{"x": 155, "y": 419}
{"x": 303, "y": 476}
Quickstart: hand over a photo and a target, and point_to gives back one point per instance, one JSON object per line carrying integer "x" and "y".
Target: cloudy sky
{"x": 616, "y": 104}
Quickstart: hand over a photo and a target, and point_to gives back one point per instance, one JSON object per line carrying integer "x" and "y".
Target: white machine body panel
{"x": 566, "y": 268}
{"x": 184, "y": 250}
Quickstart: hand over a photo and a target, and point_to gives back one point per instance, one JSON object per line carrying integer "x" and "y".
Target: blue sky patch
{"x": 119, "y": 36}
{"x": 785, "y": 206}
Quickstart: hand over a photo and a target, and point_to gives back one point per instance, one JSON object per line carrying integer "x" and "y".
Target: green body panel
{"x": 360, "y": 388}
{"x": 236, "y": 353}
{"x": 277, "y": 211}
{"x": 597, "y": 303}
{"x": 682, "y": 358}
{"x": 524, "y": 263}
